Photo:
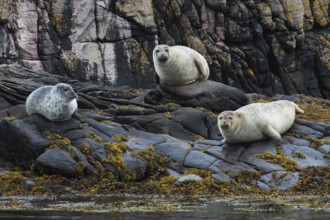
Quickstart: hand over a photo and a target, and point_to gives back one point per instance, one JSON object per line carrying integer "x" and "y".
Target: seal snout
{"x": 72, "y": 95}
{"x": 162, "y": 58}
{"x": 224, "y": 125}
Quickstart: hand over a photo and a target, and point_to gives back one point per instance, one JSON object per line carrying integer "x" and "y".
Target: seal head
{"x": 65, "y": 91}
{"x": 225, "y": 120}
{"x": 162, "y": 53}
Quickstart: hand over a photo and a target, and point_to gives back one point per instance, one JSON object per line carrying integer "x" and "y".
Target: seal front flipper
{"x": 203, "y": 71}
{"x": 270, "y": 132}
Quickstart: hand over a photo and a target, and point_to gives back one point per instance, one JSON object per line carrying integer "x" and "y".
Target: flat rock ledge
{"x": 80, "y": 147}
{"x": 130, "y": 140}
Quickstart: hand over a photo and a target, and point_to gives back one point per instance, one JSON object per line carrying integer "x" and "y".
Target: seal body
{"x": 56, "y": 103}
{"x": 179, "y": 65}
{"x": 257, "y": 121}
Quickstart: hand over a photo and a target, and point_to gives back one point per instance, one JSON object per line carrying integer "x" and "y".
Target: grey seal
{"x": 56, "y": 103}
{"x": 258, "y": 121}
{"x": 179, "y": 65}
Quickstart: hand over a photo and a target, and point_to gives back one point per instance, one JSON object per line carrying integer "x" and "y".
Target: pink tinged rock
{"x": 91, "y": 54}
{"x": 34, "y": 65}
{"x": 111, "y": 27}
{"x": 220, "y": 26}
{"x": 27, "y": 29}
{"x": 109, "y": 57}
{"x": 84, "y": 25}
{"x": 208, "y": 19}
{"x": 7, "y": 46}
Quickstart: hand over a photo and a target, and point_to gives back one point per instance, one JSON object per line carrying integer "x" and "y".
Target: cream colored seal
{"x": 56, "y": 103}
{"x": 179, "y": 65}
{"x": 257, "y": 121}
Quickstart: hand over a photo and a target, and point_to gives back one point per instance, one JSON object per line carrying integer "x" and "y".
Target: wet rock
{"x": 263, "y": 186}
{"x": 226, "y": 153}
{"x": 220, "y": 166}
{"x": 208, "y": 94}
{"x": 199, "y": 160}
{"x": 42, "y": 124}
{"x": 324, "y": 149}
{"x": 177, "y": 123}
{"x": 250, "y": 156}
{"x": 92, "y": 146}
{"x": 305, "y": 156}
{"x": 109, "y": 138}
{"x": 221, "y": 176}
{"x": 189, "y": 177}
{"x": 57, "y": 161}
{"x": 173, "y": 173}
{"x": 305, "y": 131}
{"x": 135, "y": 166}
{"x": 296, "y": 141}
{"x": 21, "y": 142}
{"x": 177, "y": 151}
{"x": 281, "y": 180}
{"x": 4, "y": 104}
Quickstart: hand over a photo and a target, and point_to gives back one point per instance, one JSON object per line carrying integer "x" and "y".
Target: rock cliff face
{"x": 264, "y": 46}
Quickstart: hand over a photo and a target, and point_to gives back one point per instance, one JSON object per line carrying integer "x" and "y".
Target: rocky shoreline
{"x": 118, "y": 143}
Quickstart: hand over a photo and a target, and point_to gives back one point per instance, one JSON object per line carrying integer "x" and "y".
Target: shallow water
{"x": 160, "y": 208}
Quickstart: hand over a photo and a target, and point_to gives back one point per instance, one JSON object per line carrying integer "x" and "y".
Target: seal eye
{"x": 230, "y": 118}
{"x": 157, "y": 51}
{"x": 166, "y": 50}
{"x": 220, "y": 117}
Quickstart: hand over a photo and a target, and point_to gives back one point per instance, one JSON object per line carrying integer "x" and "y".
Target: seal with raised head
{"x": 179, "y": 65}
{"x": 258, "y": 121}
{"x": 56, "y": 103}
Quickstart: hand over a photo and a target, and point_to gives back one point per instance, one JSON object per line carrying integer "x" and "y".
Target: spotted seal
{"x": 257, "y": 121}
{"x": 179, "y": 65}
{"x": 56, "y": 103}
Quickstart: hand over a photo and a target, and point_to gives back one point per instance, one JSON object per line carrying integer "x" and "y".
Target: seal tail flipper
{"x": 298, "y": 110}
{"x": 270, "y": 132}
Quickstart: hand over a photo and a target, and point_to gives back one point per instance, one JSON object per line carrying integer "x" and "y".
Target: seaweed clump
{"x": 315, "y": 109}
{"x": 197, "y": 138}
{"x": 246, "y": 177}
{"x": 58, "y": 141}
{"x": 26, "y": 183}
{"x": 313, "y": 181}
{"x": 156, "y": 162}
{"x": 279, "y": 158}
{"x": 315, "y": 143}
